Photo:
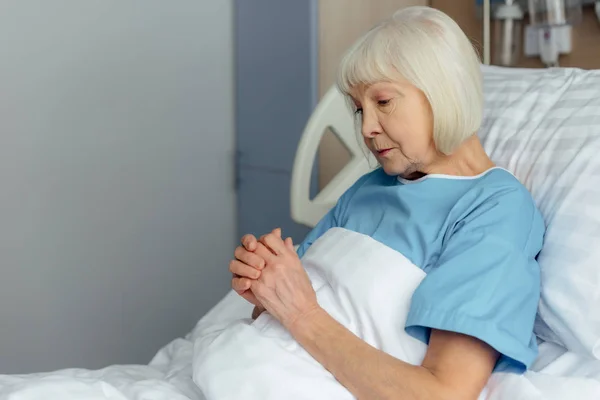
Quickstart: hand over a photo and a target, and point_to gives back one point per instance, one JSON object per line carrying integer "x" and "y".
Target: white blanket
{"x": 168, "y": 377}
{"x": 367, "y": 287}
{"x": 557, "y": 374}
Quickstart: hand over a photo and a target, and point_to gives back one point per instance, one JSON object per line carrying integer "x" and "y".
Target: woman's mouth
{"x": 383, "y": 152}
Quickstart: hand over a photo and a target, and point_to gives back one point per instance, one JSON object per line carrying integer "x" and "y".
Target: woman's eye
{"x": 383, "y": 102}
{"x": 358, "y": 110}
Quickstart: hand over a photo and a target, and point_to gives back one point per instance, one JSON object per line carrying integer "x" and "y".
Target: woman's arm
{"x": 455, "y": 367}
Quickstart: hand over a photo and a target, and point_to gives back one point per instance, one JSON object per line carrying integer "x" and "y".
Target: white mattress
{"x": 169, "y": 374}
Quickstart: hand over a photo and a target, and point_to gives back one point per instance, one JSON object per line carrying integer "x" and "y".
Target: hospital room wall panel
{"x": 275, "y": 79}
{"x": 265, "y": 204}
{"x": 276, "y": 92}
{"x": 118, "y": 203}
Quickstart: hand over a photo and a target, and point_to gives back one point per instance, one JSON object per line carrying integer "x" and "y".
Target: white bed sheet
{"x": 169, "y": 374}
{"x": 167, "y": 377}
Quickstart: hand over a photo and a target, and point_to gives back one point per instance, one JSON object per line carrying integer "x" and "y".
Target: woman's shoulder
{"x": 502, "y": 186}
{"x": 377, "y": 177}
{"x": 500, "y": 203}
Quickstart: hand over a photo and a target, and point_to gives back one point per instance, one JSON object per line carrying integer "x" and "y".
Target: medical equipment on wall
{"x": 508, "y": 18}
{"x": 551, "y": 22}
{"x": 505, "y": 19}
{"x": 547, "y": 35}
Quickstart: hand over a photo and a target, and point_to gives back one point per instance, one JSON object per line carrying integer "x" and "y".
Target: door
{"x": 276, "y": 92}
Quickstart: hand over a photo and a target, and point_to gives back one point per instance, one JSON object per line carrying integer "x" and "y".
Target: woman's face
{"x": 397, "y": 126}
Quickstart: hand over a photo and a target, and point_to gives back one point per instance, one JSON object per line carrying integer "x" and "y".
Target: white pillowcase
{"x": 544, "y": 126}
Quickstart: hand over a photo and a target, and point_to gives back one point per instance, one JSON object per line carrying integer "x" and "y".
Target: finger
{"x": 275, "y": 243}
{"x": 263, "y": 252}
{"x": 256, "y": 287}
{"x": 261, "y": 241}
{"x": 243, "y": 270}
{"x": 289, "y": 244}
{"x": 250, "y": 258}
{"x": 259, "y": 289}
{"x": 262, "y": 238}
{"x": 250, "y": 297}
{"x": 249, "y": 242}
{"x": 240, "y": 285}
{"x": 276, "y": 231}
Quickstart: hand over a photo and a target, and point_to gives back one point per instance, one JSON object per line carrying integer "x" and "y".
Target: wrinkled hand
{"x": 283, "y": 287}
{"x": 247, "y": 266}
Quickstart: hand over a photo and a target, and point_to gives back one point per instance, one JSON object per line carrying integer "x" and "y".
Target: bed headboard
{"x": 332, "y": 112}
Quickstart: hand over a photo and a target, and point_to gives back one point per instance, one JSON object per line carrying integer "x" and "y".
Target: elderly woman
{"x": 414, "y": 82}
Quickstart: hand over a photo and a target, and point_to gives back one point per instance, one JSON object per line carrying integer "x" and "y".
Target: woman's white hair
{"x": 428, "y": 49}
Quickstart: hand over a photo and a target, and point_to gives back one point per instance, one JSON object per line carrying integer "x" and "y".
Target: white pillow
{"x": 544, "y": 126}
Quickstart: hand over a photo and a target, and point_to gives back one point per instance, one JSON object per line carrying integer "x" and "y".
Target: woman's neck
{"x": 469, "y": 159}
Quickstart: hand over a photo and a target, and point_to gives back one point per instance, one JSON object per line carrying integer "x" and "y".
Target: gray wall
{"x": 117, "y": 203}
{"x": 276, "y": 91}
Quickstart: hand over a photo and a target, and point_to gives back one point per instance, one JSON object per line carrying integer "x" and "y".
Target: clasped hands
{"x": 268, "y": 273}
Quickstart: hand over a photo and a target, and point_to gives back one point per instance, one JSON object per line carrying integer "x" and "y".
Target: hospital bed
{"x": 542, "y": 125}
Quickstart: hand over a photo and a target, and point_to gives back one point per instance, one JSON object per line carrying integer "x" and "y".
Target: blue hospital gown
{"x": 477, "y": 239}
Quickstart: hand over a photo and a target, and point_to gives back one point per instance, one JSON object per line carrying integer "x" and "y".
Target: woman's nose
{"x": 370, "y": 126}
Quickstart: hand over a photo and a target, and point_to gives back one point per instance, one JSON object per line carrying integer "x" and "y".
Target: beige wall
{"x": 341, "y": 22}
